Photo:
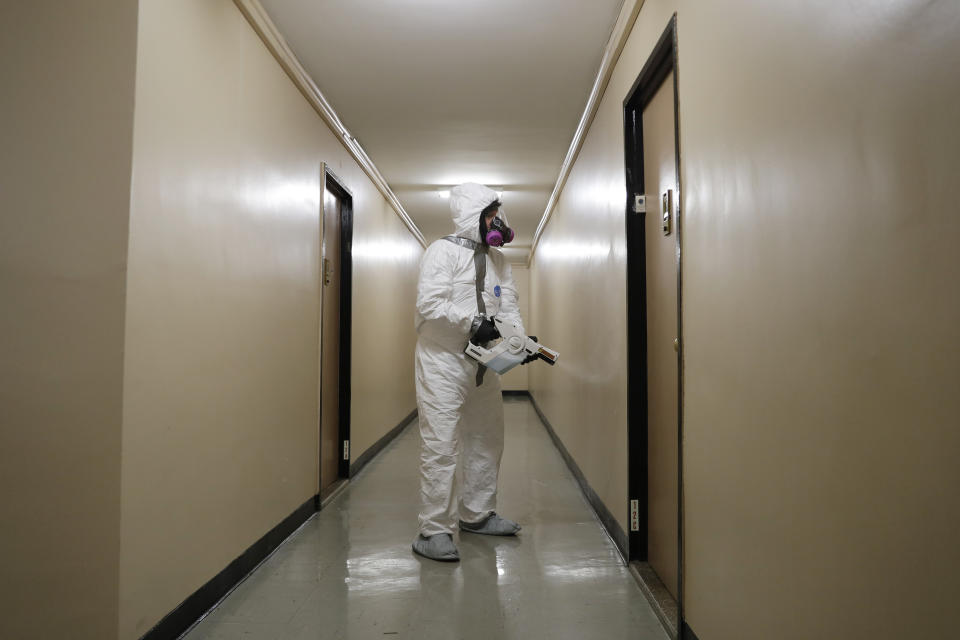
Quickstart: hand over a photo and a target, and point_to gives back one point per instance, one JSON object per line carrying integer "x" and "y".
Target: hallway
{"x": 221, "y": 225}
{"x": 349, "y": 572}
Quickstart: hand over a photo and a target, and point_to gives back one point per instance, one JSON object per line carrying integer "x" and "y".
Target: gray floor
{"x": 349, "y": 572}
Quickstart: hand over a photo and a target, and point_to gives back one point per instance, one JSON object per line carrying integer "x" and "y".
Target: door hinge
{"x": 346, "y": 449}
{"x": 327, "y": 271}
{"x": 634, "y": 515}
{"x": 639, "y": 203}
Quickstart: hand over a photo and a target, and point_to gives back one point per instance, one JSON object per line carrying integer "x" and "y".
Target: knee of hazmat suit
{"x": 445, "y": 376}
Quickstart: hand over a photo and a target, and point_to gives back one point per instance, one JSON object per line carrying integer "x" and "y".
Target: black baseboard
{"x": 614, "y": 530}
{"x": 190, "y": 610}
{"x": 378, "y": 446}
{"x": 515, "y": 393}
{"x": 687, "y": 633}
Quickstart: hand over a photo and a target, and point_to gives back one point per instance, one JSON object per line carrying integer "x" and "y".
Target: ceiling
{"x": 440, "y": 92}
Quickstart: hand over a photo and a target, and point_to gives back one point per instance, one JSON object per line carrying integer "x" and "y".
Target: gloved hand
{"x": 531, "y": 357}
{"x": 485, "y": 332}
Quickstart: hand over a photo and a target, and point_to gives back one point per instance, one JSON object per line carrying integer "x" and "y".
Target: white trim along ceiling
{"x": 444, "y": 92}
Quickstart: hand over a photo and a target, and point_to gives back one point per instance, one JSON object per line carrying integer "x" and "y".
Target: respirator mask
{"x": 498, "y": 233}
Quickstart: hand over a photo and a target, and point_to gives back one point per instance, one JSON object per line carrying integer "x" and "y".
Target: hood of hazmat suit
{"x": 458, "y": 416}
{"x": 466, "y": 203}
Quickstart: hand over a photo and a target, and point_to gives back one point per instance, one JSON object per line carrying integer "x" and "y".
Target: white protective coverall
{"x": 461, "y": 424}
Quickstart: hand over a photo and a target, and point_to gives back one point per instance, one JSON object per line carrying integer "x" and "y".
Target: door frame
{"x": 330, "y": 181}
{"x": 662, "y": 61}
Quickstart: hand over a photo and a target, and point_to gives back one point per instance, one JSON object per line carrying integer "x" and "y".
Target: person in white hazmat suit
{"x": 459, "y": 401}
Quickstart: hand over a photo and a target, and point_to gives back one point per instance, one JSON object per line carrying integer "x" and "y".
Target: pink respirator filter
{"x": 495, "y": 237}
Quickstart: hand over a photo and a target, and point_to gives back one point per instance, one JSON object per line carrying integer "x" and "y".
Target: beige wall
{"x": 386, "y": 262}
{"x": 220, "y": 399}
{"x": 67, "y": 73}
{"x": 821, "y": 312}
